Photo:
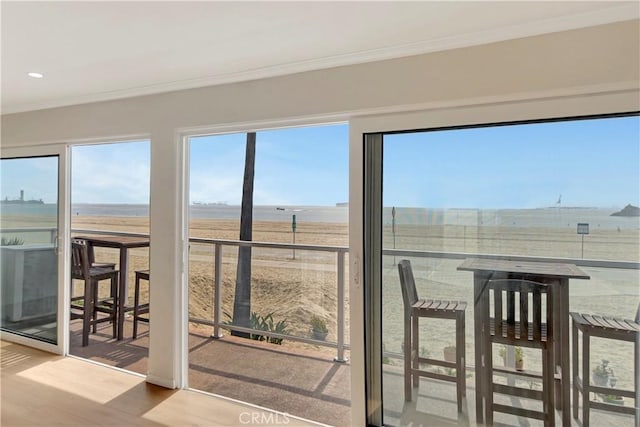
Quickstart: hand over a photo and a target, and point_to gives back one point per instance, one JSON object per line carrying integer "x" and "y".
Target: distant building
{"x": 21, "y": 200}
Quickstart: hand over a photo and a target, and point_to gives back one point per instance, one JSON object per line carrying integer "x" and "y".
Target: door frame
{"x": 183, "y": 140}
{"x": 366, "y": 134}
{"x": 62, "y": 239}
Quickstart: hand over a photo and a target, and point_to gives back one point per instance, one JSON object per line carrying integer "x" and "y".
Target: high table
{"x": 123, "y": 244}
{"x": 555, "y": 274}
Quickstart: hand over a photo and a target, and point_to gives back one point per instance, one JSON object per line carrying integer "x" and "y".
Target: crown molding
{"x": 625, "y": 12}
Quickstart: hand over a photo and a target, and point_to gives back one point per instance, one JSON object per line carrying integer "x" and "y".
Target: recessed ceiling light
{"x": 35, "y": 75}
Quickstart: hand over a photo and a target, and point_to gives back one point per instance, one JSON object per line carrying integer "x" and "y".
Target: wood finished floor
{"x": 43, "y": 389}
{"x": 305, "y": 382}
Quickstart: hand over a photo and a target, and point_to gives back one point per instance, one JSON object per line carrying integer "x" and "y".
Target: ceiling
{"x": 93, "y": 51}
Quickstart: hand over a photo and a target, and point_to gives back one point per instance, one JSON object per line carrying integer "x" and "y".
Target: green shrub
{"x": 318, "y": 324}
{"x": 264, "y": 323}
{"x": 603, "y": 369}
{"x": 13, "y": 241}
{"x": 519, "y": 354}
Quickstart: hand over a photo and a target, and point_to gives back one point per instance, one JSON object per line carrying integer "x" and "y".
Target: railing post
{"x": 340, "y": 319}
{"x": 217, "y": 292}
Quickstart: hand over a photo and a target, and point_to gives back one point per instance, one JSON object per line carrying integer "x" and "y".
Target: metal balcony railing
{"x": 340, "y": 345}
{"x": 340, "y": 252}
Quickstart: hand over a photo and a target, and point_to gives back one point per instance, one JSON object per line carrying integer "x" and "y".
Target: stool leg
{"x": 136, "y": 302}
{"x": 488, "y": 383}
{"x": 586, "y": 389}
{"x": 636, "y": 382}
{"x": 114, "y": 310}
{"x": 415, "y": 354}
{"x": 407, "y": 357}
{"x": 87, "y": 311}
{"x": 548, "y": 386}
{"x": 574, "y": 368}
{"x": 460, "y": 368}
{"x": 94, "y": 314}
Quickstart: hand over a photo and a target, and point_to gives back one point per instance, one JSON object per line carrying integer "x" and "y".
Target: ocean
{"x": 220, "y": 211}
{"x": 597, "y": 218}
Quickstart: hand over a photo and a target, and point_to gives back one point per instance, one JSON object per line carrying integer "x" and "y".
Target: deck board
{"x": 70, "y": 392}
{"x": 314, "y": 386}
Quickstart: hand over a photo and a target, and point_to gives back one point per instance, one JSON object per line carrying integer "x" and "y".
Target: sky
{"x": 36, "y": 176}
{"x": 111, "y": 173}
{"x": 586, "y": 163}
{"x": 295, "y": 166}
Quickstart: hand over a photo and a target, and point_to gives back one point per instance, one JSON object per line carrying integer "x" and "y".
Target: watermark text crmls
{"x": 261, "y": 418}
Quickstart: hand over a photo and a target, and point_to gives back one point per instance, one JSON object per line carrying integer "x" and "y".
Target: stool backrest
{"x": 521, "y": 308}
{"x": 407, "y": 284}
{"x": 79, "y": 259}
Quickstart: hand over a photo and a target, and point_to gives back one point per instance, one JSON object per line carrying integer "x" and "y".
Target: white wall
{"x": 572, "y": 66}
{"x": 580, "y": 61}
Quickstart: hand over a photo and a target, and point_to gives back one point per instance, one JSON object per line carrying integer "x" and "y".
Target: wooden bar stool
{"x": 414, "y": 309}
{"x": 138, "y": 308}
{"x": 610, "y": 328}
{"x": 522, "y": 316}
{"x": 91, "y": 304}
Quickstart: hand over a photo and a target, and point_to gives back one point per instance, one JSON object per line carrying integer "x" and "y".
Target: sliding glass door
{"x": 267, "y": 265}
{"x": 31, "y": 262}
{"x": 561, "y": 191}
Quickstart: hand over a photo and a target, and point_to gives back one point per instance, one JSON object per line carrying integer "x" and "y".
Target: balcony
{"x": 310, "y": 378}
{"x": 303, "y": 378}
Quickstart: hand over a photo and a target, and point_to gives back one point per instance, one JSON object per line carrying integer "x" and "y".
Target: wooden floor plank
{"x": 39, "y": 388}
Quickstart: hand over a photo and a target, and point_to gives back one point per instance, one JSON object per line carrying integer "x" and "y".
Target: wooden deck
{"x": 295, "y": 379}
{"x": 42, "y": 389}
{"x": 303, "y": 381}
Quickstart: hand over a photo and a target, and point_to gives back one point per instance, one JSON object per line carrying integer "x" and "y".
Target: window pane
{"x": 110, "y": 200}
{"x": 29, "y": 263}
{"x": 300, "y": 189}
{"x": 556, "y": 191}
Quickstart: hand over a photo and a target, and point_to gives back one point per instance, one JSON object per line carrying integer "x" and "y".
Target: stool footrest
{"x": 517, "y": 391}
{"x": 520, "y": 412}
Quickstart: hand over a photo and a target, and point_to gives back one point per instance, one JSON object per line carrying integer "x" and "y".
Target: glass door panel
{"x": 279, "y": 300}
{"x": 29, "y": 258}
{"x": 553, "y": 191}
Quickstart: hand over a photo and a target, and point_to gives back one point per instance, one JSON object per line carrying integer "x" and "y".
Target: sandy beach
{"x": 292, "y": 289}
{"x": 297, "y": 289}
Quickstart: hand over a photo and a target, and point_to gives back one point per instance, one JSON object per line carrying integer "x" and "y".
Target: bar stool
{"x": 525, "y": 321}
{"x": 90, "y": 304}
{"x": 138, "y": 308}
{"x": 414, "y": 309}
{"x": 611, "y": 328}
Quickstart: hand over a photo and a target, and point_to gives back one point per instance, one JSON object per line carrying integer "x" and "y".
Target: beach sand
{"x": 292, "y": 289}
{"x": 295, "y": 289}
